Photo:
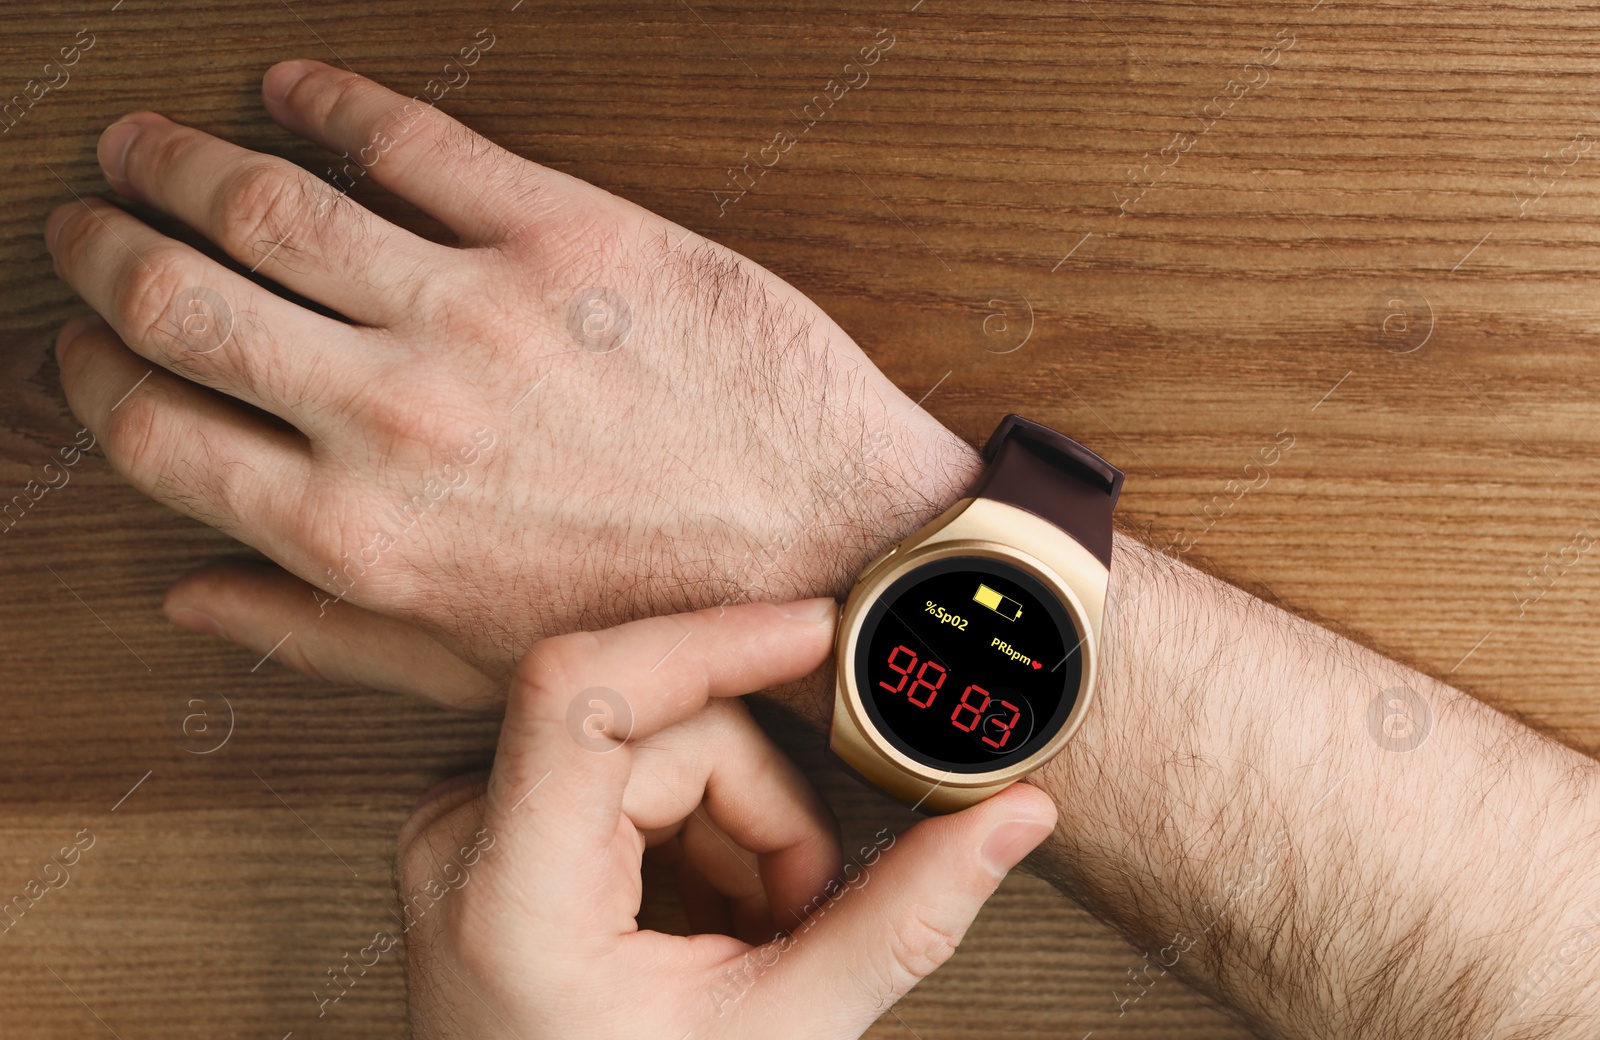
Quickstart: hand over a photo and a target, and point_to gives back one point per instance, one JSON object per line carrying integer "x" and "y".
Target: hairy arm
{"x": 1329, "y": 842}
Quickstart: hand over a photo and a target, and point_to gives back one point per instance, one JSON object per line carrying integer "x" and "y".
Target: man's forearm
{"x": 1329, "y": 842}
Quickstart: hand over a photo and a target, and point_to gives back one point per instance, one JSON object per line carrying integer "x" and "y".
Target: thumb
{"x": 896, "y": 914}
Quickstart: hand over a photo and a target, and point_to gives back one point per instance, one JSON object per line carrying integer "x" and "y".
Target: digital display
{"x": 968, "y": 663}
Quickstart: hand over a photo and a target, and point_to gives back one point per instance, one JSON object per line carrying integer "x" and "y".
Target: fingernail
{"x": 113, "y": 149}
{"x": 282, "y": 77}
{"x": 54, "y": 223}
{"x": 817, "y": 610}
{"x": 1009, "y": 842}
{"x": 195, "y": 621}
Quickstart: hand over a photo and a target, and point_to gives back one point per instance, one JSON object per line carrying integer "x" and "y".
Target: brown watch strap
{"x": 1052, "y": 476}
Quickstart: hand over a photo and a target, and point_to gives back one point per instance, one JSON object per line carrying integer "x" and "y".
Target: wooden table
{"x": 1184, "y": 232}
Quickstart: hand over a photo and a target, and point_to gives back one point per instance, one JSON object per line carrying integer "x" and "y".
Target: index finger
{"x": 555, "y": 795}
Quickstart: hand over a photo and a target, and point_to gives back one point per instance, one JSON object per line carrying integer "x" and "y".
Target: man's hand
{"x": 520, "y": 895}
{"x": 578, "y": 414}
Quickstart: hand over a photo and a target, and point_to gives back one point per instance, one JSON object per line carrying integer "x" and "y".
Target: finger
{"x": 257, "y": 604}
{"x": 664, "y": 669}
{"x": 734, "y": 874}
{"x": 440, "y": 801}
{"x": 440, "y": 848}
{"x": 414, "y": 150}
{"x": 871, "y": 939}
{"x": 557, "y": 789}
{"x": 741, "y": 795}
{"x": 179, "y": 444}
{"x": 188, "y": 313}
{"x": 273, "y": 217}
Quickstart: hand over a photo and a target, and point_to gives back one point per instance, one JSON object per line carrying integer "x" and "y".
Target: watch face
{"x": 968, "y": 664}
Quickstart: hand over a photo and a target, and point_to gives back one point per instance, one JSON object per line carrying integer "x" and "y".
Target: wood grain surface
{"x": 1176, "y": 230}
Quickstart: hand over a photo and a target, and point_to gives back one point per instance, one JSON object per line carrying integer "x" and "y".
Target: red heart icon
{"x": 1037, "y": 665}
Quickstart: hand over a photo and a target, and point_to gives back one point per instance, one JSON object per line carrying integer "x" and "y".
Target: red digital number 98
{"x": 904, "y": 671}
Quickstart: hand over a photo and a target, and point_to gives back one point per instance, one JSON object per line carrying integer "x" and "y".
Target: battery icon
{"x": 1005, "y": 606}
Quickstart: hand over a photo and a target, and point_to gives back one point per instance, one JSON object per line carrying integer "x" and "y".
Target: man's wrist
{"x": 895, "y": 480}
{"x": 890, "y": 480}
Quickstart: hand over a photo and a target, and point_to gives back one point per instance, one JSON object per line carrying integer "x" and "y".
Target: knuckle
{"x": 421, "y": 134}
{"x": 584, "y": 242}
{"x": 260, "y": 205}
{"x": 143, "y": 300}
{"x": 229, "y": 489}
{"x": 428, "y": 861}
{"x": 335, "y": 543}
{"x": 432, "y": 289}
{"x": 555, "y": 667}
{"x": 446, "y": 141}
{"x": 398, "y": 410}
{"x": 191, "y": 477}
{"x": 388, "y": 123}
{"x": 918, "y": 945}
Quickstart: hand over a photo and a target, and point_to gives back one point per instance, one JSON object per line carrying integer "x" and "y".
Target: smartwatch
{"x": 967, "y": 653}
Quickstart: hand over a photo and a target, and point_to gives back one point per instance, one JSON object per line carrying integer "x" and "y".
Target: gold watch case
{"x": 971, "y": 527}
